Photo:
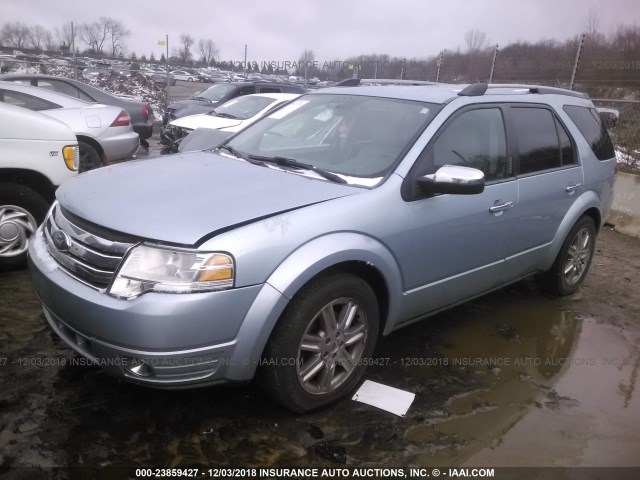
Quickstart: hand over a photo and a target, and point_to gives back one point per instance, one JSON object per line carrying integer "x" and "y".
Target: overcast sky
{"x": 279, "y": 30}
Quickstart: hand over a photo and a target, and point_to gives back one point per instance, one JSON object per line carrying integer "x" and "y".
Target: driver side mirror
{"x": 453, "y": 179}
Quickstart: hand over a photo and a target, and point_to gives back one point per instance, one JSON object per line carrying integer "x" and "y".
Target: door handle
{"x": 500, "y": 207}
{"x": 572, "y": 188}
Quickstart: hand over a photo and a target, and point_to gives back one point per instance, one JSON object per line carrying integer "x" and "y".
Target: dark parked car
{"x": 138, "y": 111}
{"x": 206, "y": 100}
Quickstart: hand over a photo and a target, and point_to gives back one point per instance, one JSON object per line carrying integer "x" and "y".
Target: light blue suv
{"x": 345, "y": 215}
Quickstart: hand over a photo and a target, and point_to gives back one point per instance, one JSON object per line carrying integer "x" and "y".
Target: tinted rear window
{"x": 593, "y": 130}
{"x": 537, "y": 139}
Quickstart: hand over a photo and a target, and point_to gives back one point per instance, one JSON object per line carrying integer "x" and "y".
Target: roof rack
{"x": 354, "y": 82}
{"x": 479, "y": 89}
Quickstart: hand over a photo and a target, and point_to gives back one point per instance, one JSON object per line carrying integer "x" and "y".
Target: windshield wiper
{"x": 236, "y": 153}
{"x": 201, "y": 98}
{"x": 226, "y": 115}
{"x": 295, "y": 164}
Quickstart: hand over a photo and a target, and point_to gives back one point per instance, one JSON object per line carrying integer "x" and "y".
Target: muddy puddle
{"x": 514, "y": 378}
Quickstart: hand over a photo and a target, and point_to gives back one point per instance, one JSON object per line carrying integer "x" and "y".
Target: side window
{"x": 85, "y": 97}
{"x": 270, "y": 90}
{"x": 566, "y": 147}
{"x": 592, "y": 129}
{"x": 58, "y": 86}
{"x": 248, "y": 90}
{"x": 26, "y": 101}
{"x": 474, "y": 139}
{"x": 537, "y": 139}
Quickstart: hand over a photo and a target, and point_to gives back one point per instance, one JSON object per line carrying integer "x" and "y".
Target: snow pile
{"x": 631, "y": 162}
{"x": 136, "y": 86}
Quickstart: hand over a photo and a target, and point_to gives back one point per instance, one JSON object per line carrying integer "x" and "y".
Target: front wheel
{"x": 89, "y": 157}
{"x": 190, "y": 79}
{"x": 573, "y": 261}
{"x": 21, "y": 211}
{"x": 317, "y": 352}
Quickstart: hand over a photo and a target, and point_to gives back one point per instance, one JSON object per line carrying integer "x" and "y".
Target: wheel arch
{"x": 359, "y": 255}
{"x": 93, "y": 142}
{"x": 587, "y": 205}
{"x": 37, "y": 181}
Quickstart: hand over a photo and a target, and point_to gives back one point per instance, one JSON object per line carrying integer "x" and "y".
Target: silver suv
{"x": 345, "y": 215}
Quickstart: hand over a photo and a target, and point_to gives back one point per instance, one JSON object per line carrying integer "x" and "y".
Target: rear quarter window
{"x": 592, "y": 129}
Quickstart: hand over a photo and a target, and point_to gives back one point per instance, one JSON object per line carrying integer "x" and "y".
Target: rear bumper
{"x": 119, "y": 147}
{"x": 144, "y": 130}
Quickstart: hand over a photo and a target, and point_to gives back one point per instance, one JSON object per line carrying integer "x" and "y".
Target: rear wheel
{"x": 89, "y": 157}
{"x": 190, "y": 79}
{"x": 21, "y": 211}
{"x": 573, "y": 261}
{"x": 315, "y": 353}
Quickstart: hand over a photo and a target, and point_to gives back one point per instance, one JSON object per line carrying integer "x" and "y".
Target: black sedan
{"x": 138, "y": 111}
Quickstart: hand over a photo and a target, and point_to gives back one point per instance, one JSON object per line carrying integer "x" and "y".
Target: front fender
{"x": 293, "y": 273}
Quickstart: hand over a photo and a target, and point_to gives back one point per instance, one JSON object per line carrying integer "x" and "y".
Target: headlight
{"x": 167, "y": 270}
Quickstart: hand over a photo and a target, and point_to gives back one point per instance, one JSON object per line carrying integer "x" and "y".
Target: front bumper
{"x": 171, "y": 136}
{"x": 186, "y": 339}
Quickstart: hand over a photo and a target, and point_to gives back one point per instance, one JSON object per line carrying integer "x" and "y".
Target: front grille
{"x": 87, "y": 256}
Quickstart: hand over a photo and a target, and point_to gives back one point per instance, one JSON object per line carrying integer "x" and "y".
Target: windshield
{"x": 217, "y": 92}
{"x": 360, "y": 138}
{"x": 244, "y": 107}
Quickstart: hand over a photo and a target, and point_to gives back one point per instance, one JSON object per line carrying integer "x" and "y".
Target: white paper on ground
{"x": 387, "y": 398}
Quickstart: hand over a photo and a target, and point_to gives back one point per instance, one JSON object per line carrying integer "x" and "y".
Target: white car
{"x": 37, "y": 154}
{"x": 233, "y": 115}
{"x": 104, "y": 132}
{"x": 182, "y": 75}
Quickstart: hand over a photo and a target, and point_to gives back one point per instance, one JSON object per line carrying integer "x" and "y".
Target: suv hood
{"x": 183, "y": 198}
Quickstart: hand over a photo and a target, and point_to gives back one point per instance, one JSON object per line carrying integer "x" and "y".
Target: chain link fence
{"x": 624, "y": 130}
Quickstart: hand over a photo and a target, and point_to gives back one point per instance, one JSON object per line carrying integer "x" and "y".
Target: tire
{"x": 573, "y": 261}
{"x": 89, "y": 157}
{"x": 333, "y": 366}
{"x": 190, "y": 79}
{"x": 21, "y": 211}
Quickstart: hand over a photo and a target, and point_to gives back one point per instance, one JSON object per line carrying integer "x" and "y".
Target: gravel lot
{"x": 514, "y": 378}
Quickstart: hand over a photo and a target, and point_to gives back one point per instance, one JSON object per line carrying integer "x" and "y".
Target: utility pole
{"x": 577, "y": 62}
{"x": 402, "y": 69}
{"x": 245, "y": 62}
{"x": 167, "y": 65}
{"x": 73, "y": 51}
{"x": 439, "y": 63}
{"x": 493, "y": 63}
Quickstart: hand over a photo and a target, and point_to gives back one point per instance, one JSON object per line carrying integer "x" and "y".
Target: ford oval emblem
{"x": 61, "y": 240}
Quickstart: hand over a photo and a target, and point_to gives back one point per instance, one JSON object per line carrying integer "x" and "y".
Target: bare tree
{"x": 95, "y": 34}
{"x": 15, "y": 34}
{"x": 305, "y": 62}
{"x": 208, "y": 50}
{"x": 49, "y": 41}
{"x": 592, "y": 26}
{"x": 117, "y": 32}
{"x": 476, "y": 41}
{"x": 36, "y": 36}
{"x": 186, "y": 42}
{"x": 67, "y": 35}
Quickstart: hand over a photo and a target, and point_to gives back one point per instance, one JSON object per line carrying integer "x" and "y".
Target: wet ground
{"x": 514, "y": 378}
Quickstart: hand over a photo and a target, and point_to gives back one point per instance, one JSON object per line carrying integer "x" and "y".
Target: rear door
{"x": 550, "y": 179}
